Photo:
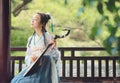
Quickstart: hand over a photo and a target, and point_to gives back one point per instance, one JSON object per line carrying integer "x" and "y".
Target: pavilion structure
{"x": 4, "y": 40}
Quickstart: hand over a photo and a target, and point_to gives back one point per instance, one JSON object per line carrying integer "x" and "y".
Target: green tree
{"x": 110, "y": 21}
{"x": 18, "y": 6}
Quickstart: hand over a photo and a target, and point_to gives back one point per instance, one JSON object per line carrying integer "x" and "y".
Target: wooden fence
{"x": 78, "y": 68}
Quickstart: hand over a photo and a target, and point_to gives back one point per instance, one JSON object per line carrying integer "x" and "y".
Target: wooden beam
{"x": 4, "y": 40}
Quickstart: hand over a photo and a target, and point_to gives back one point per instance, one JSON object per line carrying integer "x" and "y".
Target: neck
{"x": 38, "y": 31}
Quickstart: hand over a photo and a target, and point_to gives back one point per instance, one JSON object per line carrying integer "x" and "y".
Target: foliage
{"x": 61, "y": 16}
{"x": 80, "y": 16}
{"x": 110, "y": 21}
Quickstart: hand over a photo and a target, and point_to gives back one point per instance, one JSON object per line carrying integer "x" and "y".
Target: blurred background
{"x": 93, "y": 23}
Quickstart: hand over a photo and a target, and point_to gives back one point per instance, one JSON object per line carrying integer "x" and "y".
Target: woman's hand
{"x": 33, "y": 58}
{"x": 53, "y": 43}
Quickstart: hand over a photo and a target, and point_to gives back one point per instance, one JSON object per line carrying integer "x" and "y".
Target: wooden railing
{"x": 74, "y": 67}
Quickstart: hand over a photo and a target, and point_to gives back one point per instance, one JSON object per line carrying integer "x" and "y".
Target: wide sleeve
{"x": 27, "y": 56}
{"x": 52, "y": 52}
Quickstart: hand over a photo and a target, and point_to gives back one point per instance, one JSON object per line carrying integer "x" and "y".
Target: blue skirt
{"x": 42, "y": 74}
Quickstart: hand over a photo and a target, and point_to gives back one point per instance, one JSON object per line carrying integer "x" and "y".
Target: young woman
{"x": 47, "y": 71}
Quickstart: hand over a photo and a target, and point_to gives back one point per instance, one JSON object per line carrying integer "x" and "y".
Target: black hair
{"x": 44, "y": 20}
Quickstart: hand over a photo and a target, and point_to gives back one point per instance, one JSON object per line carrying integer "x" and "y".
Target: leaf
{"x": 100, "y": 8}
{"x": 114, "y": 50}
{"x": 92, "y": 36}
{"x": 80, "y": 11}
{"x": 66, "y": 2}
{"x": 111, "y": 29}
{"x": 112, "y": 39}
{"x": 95, "y": 31}
{"x": 91, "y": 3}
{"x": 88, "y": 3}
{"x": 85, "y": 2}
{"x": 108, "y": 45}
{"x": 117, "y": 19}
{"x": 111, "y": 5}
{"x": 118, "y": 45}
{"x": 104, "y": 18}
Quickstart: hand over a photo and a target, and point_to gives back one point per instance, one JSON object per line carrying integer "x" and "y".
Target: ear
{"x": 43, "y": 24}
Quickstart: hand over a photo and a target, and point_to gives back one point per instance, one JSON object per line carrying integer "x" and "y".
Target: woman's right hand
{"x": 33, "y": 58}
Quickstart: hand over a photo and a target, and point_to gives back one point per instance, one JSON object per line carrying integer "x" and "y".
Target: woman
{"x": 46, "y": 72}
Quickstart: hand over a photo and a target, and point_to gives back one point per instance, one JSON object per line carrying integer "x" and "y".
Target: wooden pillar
{"x": 4, "y": 40}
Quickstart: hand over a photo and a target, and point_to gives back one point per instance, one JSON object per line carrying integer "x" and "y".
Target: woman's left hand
{"x": 53, "y": 43}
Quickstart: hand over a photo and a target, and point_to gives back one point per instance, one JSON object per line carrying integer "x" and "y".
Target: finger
{"x": 54, "y": 43}
{"x": 33, "y": 58}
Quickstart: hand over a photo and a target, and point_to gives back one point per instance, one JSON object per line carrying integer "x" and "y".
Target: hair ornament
{"x": 51, "y": 22}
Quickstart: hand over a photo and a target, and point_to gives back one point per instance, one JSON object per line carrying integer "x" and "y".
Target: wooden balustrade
{"x": 79, "y": 68}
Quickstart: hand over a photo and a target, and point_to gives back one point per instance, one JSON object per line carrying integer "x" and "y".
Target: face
{"x": 35, "y": 22}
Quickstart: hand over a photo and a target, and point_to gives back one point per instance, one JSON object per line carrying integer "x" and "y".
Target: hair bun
{"x": 48, "y": 16}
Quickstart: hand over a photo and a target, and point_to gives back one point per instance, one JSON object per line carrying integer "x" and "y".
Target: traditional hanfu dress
{"x": 47, "y": 71}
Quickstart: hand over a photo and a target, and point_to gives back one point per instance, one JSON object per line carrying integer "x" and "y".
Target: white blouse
{"x": 37, "y": 46}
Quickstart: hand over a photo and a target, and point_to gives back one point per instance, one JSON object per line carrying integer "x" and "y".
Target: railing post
{"x": 100, "y": 67}
{"x": 85, "y": 68}
{"x": 92, "y": 69}
{"x": 4, "y": 40}
{"x": 63, "y": 63}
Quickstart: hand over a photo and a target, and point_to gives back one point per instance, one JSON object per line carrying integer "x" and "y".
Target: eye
{"x": 34, "y": 19}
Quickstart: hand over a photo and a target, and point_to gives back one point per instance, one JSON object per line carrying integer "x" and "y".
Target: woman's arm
{"x": 53, "y": 51}
{"x": 27, "y": 56}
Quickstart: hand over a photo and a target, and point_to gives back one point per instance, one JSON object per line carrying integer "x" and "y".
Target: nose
{"x": 32, "y": 21}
